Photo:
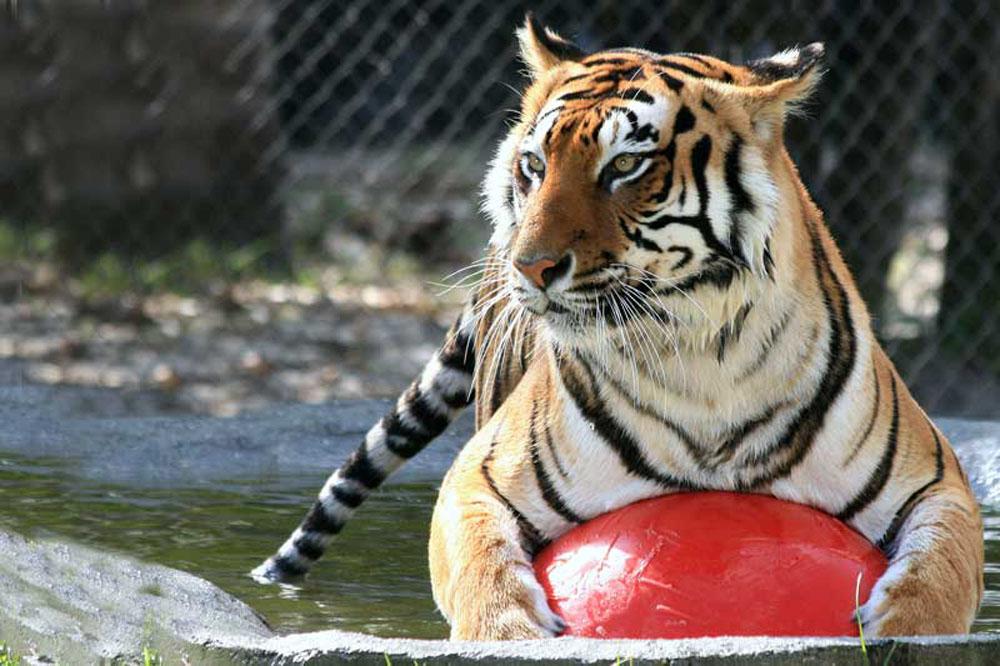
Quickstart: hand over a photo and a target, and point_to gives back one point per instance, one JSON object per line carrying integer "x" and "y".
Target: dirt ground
{"x": 236, "y": 348}
{"x": 244, "y": 346}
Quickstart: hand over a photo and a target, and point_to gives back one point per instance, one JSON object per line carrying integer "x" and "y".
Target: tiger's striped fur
{"x": 682, "y": 320}
{"x": 706, "y": 335}
{"x": 421, "y": 413}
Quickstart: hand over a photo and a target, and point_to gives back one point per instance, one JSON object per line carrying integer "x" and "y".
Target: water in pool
{"x": 374, "y": 580}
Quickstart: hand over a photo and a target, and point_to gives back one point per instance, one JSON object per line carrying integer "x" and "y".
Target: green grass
{"x": 8, "y": 658}
{"x": 152, "y": 589}
{"x": 388, "y": 660}
{"x": 197, "y": 266}
{"x": 857, "y": 618}
{"x": 186, "y": 270}
{"x": 151, "y": 657}
{"x": 866, "y": 659}
{"x": 20, "y": 243}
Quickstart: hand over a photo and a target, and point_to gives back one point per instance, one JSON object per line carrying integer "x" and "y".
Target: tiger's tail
{"x": 443, "y": 389}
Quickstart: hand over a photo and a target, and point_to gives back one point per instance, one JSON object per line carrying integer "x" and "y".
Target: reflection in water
{"x": 286, "y": 591}
{"x": 374, "y": 579}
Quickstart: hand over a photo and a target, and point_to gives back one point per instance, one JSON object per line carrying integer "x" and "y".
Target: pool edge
{"x": 330, "y": 647}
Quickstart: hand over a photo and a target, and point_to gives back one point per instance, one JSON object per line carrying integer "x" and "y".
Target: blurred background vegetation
{"x": 219, "y": 205}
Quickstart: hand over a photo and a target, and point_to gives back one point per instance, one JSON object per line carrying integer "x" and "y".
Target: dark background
{"x": 174, "y": 170}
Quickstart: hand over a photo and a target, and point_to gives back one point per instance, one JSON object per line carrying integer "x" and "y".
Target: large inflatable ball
{"x": 710, "y": 564}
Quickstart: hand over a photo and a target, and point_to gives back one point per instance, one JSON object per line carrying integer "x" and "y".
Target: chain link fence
{"x": 163, "y": 144}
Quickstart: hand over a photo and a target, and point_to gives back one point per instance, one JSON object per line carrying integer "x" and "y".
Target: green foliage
{"x": 8, "y": 658}
{"x": 888, "y": 657}
{"x": 10, "y": 243}
{"x": 865, "y": 658}
{"x": 152, "y": 589}
{"x": 107, "y": 276}
{"x": 857, "y": 618}
{"x": 388, "y": 660}
{"x": 17, "y": 242}
{"x": 151, "y": 657}
{"x": 187, "y": 270}
{"x": 108, "y": 269}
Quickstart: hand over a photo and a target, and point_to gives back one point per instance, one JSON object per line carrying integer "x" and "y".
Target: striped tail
{"x": 421, "y": 413}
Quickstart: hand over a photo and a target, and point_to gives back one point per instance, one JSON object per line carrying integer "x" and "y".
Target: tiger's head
{"x": 633, "y": 178}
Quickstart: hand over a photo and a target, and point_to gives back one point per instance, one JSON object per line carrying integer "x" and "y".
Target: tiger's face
{"x": 633, "y": 178}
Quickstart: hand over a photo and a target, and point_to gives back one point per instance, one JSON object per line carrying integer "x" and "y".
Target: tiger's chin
{"x": 568, "y": 330}
{"x": 538, "y": 308}
{"x": 540, "y": 304}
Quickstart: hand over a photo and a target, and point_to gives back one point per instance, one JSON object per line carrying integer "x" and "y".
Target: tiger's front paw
{"x": 512, "y": 607}
{"x": 904, "y": 603}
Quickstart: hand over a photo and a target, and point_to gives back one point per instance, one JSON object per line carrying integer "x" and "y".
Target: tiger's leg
{"x": 934, "y": 581}
{"x": 420, "y": 414}
{"x": 481, "y": 567}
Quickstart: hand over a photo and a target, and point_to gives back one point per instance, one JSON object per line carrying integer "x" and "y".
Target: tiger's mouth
{"x": 611, "y": 295}
{"x": 539, "y": 303}
{"x": 606, "y": 294}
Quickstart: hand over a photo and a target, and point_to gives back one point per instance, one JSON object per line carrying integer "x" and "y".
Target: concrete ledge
{"x": 334, "y": 647}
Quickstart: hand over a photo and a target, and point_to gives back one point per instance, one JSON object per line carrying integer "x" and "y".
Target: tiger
{"x": 662, "y": 309}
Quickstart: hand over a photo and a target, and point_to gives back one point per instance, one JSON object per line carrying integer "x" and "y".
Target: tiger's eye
{"x": 625, "y": 163}
{"x": 535, "y": 163}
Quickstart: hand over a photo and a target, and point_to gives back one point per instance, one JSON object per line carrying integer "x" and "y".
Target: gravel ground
{"x": 245, "y": 346}
{"x": 242, "y": 347}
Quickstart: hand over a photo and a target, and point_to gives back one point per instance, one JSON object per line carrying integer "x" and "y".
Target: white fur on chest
{"x": 679, "y": 427}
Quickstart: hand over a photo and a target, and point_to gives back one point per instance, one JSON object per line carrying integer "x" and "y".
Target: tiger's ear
{"x": 542, "y": 49}
{"x": 779, "y": 85}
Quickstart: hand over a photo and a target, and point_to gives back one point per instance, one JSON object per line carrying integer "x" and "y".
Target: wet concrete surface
{"x": 198, "y": 450}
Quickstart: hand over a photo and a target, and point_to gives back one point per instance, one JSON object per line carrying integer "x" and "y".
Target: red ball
{"x": 709, "y": 564}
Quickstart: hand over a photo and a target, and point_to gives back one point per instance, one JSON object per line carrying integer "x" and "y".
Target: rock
{"x": 255, "y": 364}
{"x": 165, "y": 377}
{"x": 76, "y": 605}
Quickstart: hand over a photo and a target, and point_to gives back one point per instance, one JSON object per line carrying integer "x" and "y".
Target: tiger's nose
{"x": 543, "y": 271}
